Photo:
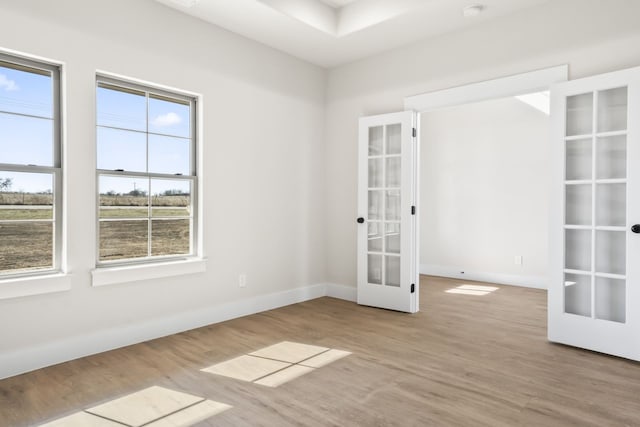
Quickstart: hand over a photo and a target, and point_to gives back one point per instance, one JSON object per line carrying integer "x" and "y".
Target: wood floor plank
{"x": 463, "y": 360}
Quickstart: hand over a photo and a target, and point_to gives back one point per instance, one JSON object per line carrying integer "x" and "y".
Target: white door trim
{"x": 518, "y": 84}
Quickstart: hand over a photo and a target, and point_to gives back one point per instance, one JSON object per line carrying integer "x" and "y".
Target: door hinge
{"x": 413, "y": 210}
{"x": 414, "y": 133}
{"x": 413, "y": 288}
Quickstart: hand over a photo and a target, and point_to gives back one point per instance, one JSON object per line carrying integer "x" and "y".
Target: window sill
{"x": 104, "y": 276}
{"x": 34, "y": 285}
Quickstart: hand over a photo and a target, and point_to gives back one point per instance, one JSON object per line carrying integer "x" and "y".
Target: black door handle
{"x": 361, "y": 221}
{"x": 635, "y": 228}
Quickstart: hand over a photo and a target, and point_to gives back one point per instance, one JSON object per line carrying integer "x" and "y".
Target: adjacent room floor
{"x": 473, "y": 356}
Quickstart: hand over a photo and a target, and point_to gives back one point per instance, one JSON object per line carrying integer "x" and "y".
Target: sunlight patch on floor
{"x": 477, "y": 290}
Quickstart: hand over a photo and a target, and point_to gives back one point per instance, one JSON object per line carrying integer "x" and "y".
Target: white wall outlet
{"x": 518, "y": 260}
{"x": 242, "y": 280}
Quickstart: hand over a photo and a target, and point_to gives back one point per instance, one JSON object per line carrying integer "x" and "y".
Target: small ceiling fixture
{"x": 473, "y": 10}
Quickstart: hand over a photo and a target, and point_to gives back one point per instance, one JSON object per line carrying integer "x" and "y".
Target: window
{"x": 30, "y": 167}
{"x": 146, "y": 173}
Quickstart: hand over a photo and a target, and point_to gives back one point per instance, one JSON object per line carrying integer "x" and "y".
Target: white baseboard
{"x": 347, "y": 293}
{"x": 538, "y": 282}
{"x": 40, "y": 356}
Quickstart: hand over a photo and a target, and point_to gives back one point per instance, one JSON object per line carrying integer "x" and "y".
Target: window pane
{"x": 170, "y": 237}
{"x": 123, "y": 239}
{"x": 124, "y": 197}
{"x": 121, "y": 149}
{"x": 170, "y": 198}
{"x": 26, "y": 140}
{"x": 26, "y": 196}
{"x": 25, "y": 246}
{"x": 121, "y": 108}
{"x": 169, "y": 155}
{"x": 25, "y": 92}
{"x": 169, "y": 118}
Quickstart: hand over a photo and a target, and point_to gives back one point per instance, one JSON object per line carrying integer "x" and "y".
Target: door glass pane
{"x": 121, "y": 108}
{"x": 170, "y": 237}
{"x": 123, "y": 197}
{"x": 392, "y": 238}
{"x": 611, "y": 252}
{"x": 393, "y": 205}
{"x": 26, "y": 140}
{"x": 610, "y": 299}
{"x": 375, "y": 173}
{"x": 612, "y": 110}
{"x": 374, "y": 236}
{"x": 578, "y": 204}
{"x": 611, "y": 205}
{"x": 393, "y": 172}
{"x": 25, "y": 92}
{"x": 392, "y": 271}
{"x": 121, "y": 149}
{"x": 25, "y": 245}
{"x": 169, "y": 117}
{"x": 394, "y": 135}
{"x": 374, "y": 267}
{"x": 375, "y": 141}
{"x": 170, "y": 198}
{"x": 611, "y": 160}
{"x": 123, "y": 239}
{"x": 577, "y": 294}
{"x": 578, "y": 159}
{"x": 375, "y": 205}
{"x": 578, "y": 250}
{"x": 580, "y": 114}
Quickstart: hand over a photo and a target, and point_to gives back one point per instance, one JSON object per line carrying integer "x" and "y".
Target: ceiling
{"x": 333, "y": 32}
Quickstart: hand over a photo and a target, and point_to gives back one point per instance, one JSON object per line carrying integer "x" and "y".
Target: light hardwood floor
{"x": 464, "y": 360}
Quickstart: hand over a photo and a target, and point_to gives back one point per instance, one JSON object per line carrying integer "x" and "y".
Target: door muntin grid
{"x": 384, "y": 199}
{"x": 595, "y": 237}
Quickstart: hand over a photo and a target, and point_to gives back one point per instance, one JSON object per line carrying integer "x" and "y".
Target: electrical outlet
{"x": 242, "y": 280}
{"x": 518, "y": 260}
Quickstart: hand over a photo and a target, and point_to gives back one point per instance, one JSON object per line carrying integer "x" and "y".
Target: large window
{"x": 146, "y": 173}
{"x": 30, "y": 167}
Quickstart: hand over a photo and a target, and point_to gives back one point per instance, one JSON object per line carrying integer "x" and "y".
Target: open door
{"x": 594, "y": 291}
{"x": 387, "y": 200}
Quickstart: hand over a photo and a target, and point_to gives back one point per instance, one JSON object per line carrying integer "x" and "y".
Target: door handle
{"x": 635, "y": 228}
{"x": 361, "y": 221}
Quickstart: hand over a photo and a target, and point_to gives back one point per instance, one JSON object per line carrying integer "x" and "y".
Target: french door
{"x": 387, "y": 200}
{"x": 594, "y": 294}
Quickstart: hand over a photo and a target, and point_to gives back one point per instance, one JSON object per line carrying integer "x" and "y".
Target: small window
{"x": 30, "y": 167}
{"x": 146, "y": 173}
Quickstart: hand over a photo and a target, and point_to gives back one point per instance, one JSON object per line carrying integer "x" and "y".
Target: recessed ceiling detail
{"x": 333, "y": 32}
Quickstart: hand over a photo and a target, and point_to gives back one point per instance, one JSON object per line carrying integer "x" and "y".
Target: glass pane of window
{"x": 170, "y": 198}
{"x": 392, "y": 271}
{"x": 26, "y": 140}
{"x": 578, "y": 205}
{"x": 577, "y": 252}
{"x": 375, "y": 205}
{"x": 375, "y": 140}
{"x": 580, "y": 114}
{"x": 25, "y": 196}
{"x": 374, "y": 267}
{"x": 394, "y": 142}
{"x": 611, "y": 299}
{"x": 169, "y": 117}
{"x": 611, "y": 205}
{"x": 612, "y": 157}
{"x": 169, "y": 155}
{"x": 121, "y": 149}
{"x": 25, "y": 92}
{"x": 578, "y": 159}
{"x": 612, "y": 110}
{"x": 170, "y": 236}
{"x": 124, "y": 197}
{"x": 121, "y": 108}
{"x": 374, "y": 237}
{"x": 611, "y": 249}
{"x": 392, "y": 212}
{"x": 392, "y": 238}
{"x": 393, "y": 172}
{"x": 123, "y": 239}
{"x": 577, "y": 294}
{"x": 25, "y": 245}
{"x": 375, "y": 173}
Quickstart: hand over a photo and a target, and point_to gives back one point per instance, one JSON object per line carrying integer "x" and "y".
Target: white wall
{"x": 263, "y": 174}
{"x": 592, "y": 36}
{"x": 484, "y": 192}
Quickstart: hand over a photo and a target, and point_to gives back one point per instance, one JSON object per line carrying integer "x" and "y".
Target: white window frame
{"x": 56, "y": 170}
{"x": 116, "y": 270}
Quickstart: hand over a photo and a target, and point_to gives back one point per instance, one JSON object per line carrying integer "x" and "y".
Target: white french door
{"x": 387, "y": 199}
{"x": 594, "y": 293}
